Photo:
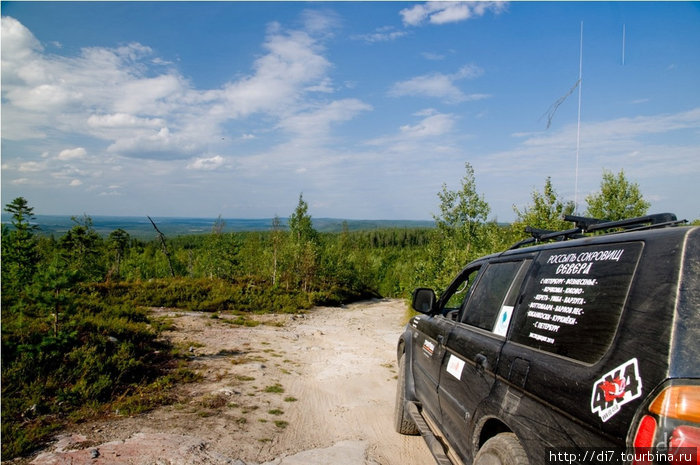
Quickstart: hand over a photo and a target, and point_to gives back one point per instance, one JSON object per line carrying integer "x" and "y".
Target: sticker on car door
{"x": 616, "y": 388}
{"x": 455, "y": 365}
{"x": 428, "y": 348}
{"x": 500, "y": 328}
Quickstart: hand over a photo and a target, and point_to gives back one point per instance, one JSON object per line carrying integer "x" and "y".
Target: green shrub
{"x": 63, "y": 368}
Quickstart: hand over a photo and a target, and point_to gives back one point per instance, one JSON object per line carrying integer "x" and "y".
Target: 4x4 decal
{"x": 615, "y": 389}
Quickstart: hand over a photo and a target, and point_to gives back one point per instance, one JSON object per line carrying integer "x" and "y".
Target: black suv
{"x": 574, "y": 351}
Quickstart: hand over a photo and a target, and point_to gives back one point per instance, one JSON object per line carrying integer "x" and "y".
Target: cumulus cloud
{"x": 123, "y": 120}
{"x": 293, "y": 62}
{"x": 17, "y": 42}
{"x": 447, "y": 12}
{"x": 31, "y": 166}
{"x": 439, "y": 85}
{"x": 414, "y": 138}
{"x": 142, "y": 107}
{"x": 72, "y": 154}
{"x": 433, "y": 125}
{"x": 206, "y": 164}
{"x": 318, "y": 120}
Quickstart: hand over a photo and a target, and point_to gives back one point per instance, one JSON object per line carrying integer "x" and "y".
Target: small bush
{"x": 275, "y": 388}
{"x": 95, "y": 357}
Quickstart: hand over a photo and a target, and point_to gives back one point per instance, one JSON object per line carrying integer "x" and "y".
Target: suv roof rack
{"x": 587, "y": 225}
{"x": 541, "y": 235}
{"x": 643, "y": 222}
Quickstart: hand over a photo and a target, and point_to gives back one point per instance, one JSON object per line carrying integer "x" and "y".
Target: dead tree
{"x": 161, "y": 236}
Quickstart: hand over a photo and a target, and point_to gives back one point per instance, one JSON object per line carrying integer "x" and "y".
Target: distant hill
{"x": 141, "y": 228}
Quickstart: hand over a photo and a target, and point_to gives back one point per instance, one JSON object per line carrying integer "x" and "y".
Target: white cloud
{"x": 72, "y": 154}
{"x": 123, "y": 120}
{"x": 207, "y": 164}
{"x": 31, "y": 166}
{"x": 320, "y": 22}
{"x": 325, "y": 86}
{"x": 76, "y": 183}
{"x": 618, "y": 143}
{"x": 143, "y": 108}
{"x": 382, "y": 34}
{"x": 153, "y": 96}
{"x": 448, "y": 12}
{"x": 316, "y": 122}
{"x": 451, "y": 14}
{"x": 292, "y": 63}
{"x": 439, "y": 85}
{"x": 17, "y": 41}
{"x": 433, "y": 125}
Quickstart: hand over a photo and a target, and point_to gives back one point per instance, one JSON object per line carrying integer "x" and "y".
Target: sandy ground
{"x": 312, "y": 389}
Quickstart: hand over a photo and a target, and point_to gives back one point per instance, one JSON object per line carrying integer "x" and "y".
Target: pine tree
{"x": 300, "y": 224}
{"x": 81, "y": 248}
{"x": 19, "y": 246}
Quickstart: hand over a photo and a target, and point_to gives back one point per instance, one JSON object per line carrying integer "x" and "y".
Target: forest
{"x": 77, "y": 337}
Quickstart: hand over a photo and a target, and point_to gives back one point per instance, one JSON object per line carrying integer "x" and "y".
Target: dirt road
{"x": 312, "y": 389}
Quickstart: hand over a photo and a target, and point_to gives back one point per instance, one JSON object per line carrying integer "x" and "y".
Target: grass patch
{"x": 242, "y": 320}
{"x": 163, "y": 323}
{"x": 275, "y": 388}
{"x": 281, "y": 424}
{"x": 276, "y": 411}
{"x": 214, "y": 401}
{"x": 290, "y": 399}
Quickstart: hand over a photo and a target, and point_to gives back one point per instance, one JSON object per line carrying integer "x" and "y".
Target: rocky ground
{"x": 311, "y": 389}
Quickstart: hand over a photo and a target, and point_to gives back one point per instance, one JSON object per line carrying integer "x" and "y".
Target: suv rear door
{"x": 474, "y": 345}
{"x": 557, "y": 365}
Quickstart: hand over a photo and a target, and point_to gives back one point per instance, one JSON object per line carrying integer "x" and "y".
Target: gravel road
{"x": 311, "y": 389}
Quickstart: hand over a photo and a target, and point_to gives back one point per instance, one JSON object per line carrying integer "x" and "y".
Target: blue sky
{"x": 367, "y": 108}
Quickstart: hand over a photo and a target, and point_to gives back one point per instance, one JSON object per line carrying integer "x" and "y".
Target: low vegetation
{"x": 77, "y": 336}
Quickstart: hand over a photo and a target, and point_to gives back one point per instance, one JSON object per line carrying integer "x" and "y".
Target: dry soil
{"x": 313, "y": 389}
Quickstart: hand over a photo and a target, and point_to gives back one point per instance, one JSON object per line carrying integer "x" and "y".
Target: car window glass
{"x": 458, "y": 291}
{"x": 488, "y": 296}
{"x": 574, "y": 298}
{"x": 502, "y": 322}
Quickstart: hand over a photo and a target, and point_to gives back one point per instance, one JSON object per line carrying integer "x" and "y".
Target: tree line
{"x": 77, "y": 337}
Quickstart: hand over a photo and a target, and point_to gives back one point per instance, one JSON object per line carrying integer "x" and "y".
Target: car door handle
{"x": 482, "y": 363}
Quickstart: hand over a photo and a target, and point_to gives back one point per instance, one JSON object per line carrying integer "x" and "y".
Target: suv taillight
{"x": 672, "y": 421}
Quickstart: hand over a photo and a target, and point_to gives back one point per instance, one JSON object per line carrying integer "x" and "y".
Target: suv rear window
{"x": 573, "y": 299}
